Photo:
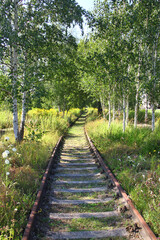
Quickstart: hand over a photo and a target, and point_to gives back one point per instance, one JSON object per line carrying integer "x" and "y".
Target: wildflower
{"x": 7, "y": 173}
{"x": 143, "y": 175}
{"x": 159, "y": 179}
{"x": 5, "y": 154}
{"x": 154, "y": 150}
{"x": 7, "y": 161}
{"x": 129, "y": 157}
{"x": 149, "y": 152}
{"x": 15, "y": 209}
{"x": 14, "y": 149}
{"x": 6, "y": 138}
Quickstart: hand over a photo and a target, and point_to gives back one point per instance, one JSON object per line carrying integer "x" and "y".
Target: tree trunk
{"x": 59, "y": 108}
{"x": 113, "y": 118}
{"x": 103, "y": 106}
{"x": 99, "y": 108}
{"x": 137, "y": 97}
{"x": 136, "y": 105}
{"x": 153, "y": 117}
{"x": 23, "y": 117}
{"x": 14, "y": 62}
{"x": 146, "y": 108}
{"x": 127, "y": 109}
{"x": 124, "y": 113}
{"x": 154, "y": 57}
{"x": 109, "y": 109}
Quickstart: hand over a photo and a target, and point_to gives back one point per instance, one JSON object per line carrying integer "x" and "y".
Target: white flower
{"x": 6, "y": 138}
{"x": 129, "y": 157}
{"x": 15, "y": 209}
{"x": 7, "y": 161}
{"x": 143, "y": 175}
{"x": 7, "y": 173}
{"x": 14, "y": 149}
{"x": 5, "y": 154}
{"x": 159, "y": 180}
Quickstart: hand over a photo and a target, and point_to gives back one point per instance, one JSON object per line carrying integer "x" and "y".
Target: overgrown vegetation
{"x": 22, "y": 166}
{"x": 134, "y": 157}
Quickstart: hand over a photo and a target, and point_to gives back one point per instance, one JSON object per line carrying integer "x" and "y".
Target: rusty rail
{"x": 146, "y": 232}
{"x": 34, "y": 211}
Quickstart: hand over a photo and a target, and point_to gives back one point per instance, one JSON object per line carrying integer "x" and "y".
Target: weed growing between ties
{"x": 86, "y": 224}
{"x": 22, "y": 167}
{"x": 134, "y": 157}
{"x": 82, "y": 208}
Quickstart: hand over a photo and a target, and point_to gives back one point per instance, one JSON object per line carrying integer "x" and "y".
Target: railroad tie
{"x": 77, "y": 202}
{"x": 81, "y": 190}
{"x": 80, "y": 205}
{"x": 59, "y": 169}
{"x": 83, "y": 215}
{"x": 61, "y": 182}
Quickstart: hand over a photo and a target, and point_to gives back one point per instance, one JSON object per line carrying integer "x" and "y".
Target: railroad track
{"x": 81, "y": 201}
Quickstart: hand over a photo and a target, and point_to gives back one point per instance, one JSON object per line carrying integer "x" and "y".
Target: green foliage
{"x": 141, "y": 116}
{"x": 92, "y": 114}
{"x": 134, "y": 157}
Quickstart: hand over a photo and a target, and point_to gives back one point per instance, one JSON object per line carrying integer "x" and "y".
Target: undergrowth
{"x": 22, "y": 166}
{"x": 134, "y": 158}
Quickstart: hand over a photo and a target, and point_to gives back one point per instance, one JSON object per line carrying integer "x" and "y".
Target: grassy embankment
{"x": 134, "y": 158}
{"x": 21, "y": 169}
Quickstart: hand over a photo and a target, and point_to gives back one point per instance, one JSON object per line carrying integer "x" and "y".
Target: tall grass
{"x": 6, "y": 119}
{"x": 134, "y": 157}
{"x": 22, "y": 170}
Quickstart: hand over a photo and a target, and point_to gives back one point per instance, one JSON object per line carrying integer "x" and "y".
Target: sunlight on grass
{"x": 134, "y": 157}
{"x": 22, "y": 165}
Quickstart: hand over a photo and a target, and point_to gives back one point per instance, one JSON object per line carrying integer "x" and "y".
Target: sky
{"x": 88, "y": 5}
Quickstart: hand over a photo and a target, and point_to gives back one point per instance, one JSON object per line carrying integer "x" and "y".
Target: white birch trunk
{"x": 154, "y": 84}
{"x": 114, "y": 113}
{"x": 136, "y": 105}
{"x": 23, "y": 117}
{"x": 109, "y": 109}
{"x": 146, "y": 108}
{"x": 124, "y": 113}
{"x": 15, "y": 119}
{"x": 14, "y": 62}
{"x": 153, "y": 117}
{"x": 127, "y": 109}
{"x": 137, "y": 98}
{"x": 103, "y": 106}
{"x": 113, "y": 118}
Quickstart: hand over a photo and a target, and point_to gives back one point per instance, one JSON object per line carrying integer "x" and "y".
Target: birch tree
{"x": 26, "y": 28}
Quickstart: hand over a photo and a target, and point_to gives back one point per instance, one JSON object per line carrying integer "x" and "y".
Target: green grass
{"x": 86, "y": 224}
{"x": 6, "y": 119}
{"x": 134, "y": 157}
{"x": 26, "y": 168}
{"x": 82, "y": 208}
{"x": 81, "y": 196}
